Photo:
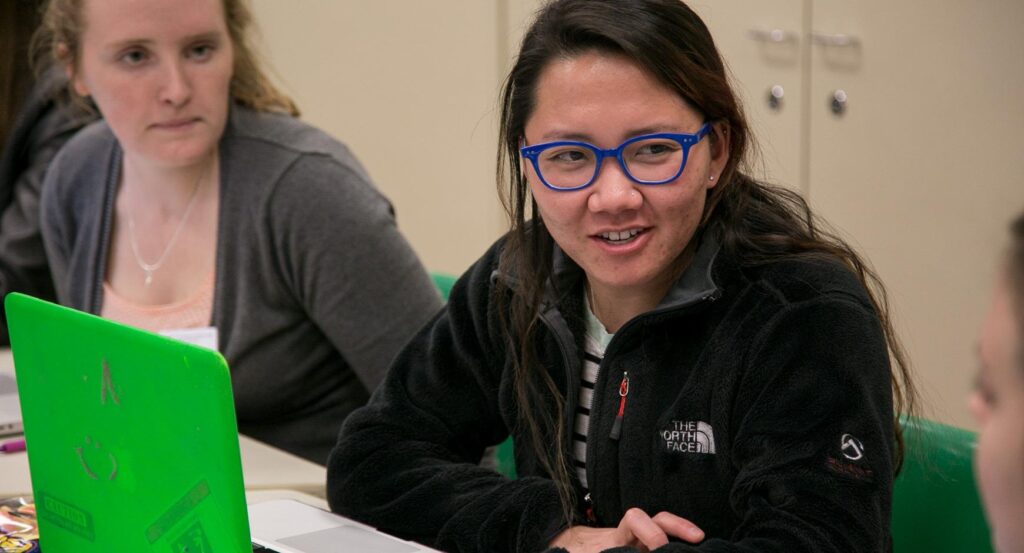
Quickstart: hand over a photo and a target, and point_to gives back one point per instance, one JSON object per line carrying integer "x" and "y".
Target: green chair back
{"x": 935, "y": 501}
{"x": 444, "y": 283}
{"x": 506, "y": 459}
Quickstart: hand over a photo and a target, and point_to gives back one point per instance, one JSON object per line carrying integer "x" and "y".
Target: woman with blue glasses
{"x": 684, "y": 359}
{"x": 647, "y": 159}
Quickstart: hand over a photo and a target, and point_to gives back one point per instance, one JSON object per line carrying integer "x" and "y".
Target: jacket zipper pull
{"x": 623, "y": 392}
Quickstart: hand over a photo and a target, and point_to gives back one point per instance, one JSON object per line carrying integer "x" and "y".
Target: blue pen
{"x": 13, "y": 445}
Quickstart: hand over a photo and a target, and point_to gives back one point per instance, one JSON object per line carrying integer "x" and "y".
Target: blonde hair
{"x": 59, "y": 40}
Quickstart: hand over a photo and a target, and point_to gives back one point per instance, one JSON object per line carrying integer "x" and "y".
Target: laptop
{"x": 133, "y": 446}
{"x": 10, "y": 410}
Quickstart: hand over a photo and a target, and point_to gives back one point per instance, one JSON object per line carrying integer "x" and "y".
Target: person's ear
{"x": 719, "y": 140}
{"x": 64, "y": 56}
{"x": 78, "y": 84}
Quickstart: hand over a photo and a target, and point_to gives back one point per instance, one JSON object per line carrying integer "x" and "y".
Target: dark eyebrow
{"x": 654, "y": 129}
{"x": 557, "y": 135}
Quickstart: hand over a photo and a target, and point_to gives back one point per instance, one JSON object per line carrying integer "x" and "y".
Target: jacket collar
{"x": 696, "y": 284}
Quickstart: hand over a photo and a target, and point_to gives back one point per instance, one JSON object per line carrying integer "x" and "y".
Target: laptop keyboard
{"x": 257, "y": 548}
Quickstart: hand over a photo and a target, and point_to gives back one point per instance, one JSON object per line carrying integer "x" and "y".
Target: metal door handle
{"x": 772, "y": 35}
{"x": 775, "y": 95}
{"x": 838, "y": 102}
{"x": 838, "y": 40}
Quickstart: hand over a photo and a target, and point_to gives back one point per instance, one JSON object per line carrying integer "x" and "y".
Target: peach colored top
{"x": 193, "y": 312}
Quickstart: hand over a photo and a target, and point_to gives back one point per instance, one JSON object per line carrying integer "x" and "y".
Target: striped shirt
{"x": 596, "y": 342}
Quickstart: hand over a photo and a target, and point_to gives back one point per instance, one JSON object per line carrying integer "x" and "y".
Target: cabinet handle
{"x": 773, "y": 35}
{"x": 838, "y": 40}
{"x": 838, "y": 101}
{"x": 775, "y": 95}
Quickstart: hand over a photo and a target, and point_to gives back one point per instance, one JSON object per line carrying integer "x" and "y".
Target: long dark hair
{"x": 756, "y": 223}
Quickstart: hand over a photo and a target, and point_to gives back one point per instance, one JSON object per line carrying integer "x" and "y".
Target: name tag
{"x": 204, "y": 337}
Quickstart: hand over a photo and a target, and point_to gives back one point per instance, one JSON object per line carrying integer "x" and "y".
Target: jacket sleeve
{"x": 814, "y": 445}
{"x": 22, "y": 256}
{"x": 56, "y": 222}
{"x": 23, "y": 265}
{"x": 406, "y": 462}
{"x": 347, "y": 264}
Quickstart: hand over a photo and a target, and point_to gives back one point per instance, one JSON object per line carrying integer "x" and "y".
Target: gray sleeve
{"x": 340, "y": 252}
{"x": 53, "y": 224}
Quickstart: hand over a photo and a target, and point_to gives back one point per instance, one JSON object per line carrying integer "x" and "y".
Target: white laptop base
{"x": 292, "y": 527}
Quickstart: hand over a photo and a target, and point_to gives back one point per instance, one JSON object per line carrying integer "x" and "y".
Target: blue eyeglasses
{"x": 648, "y": 159}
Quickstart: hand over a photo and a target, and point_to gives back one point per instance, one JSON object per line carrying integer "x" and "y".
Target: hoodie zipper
{"x": 623, "y": 392}
{"x": 574, "y": 382}
{"x": 588, "y": 509}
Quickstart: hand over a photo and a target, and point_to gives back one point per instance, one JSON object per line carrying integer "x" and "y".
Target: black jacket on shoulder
{"x": 759, "y": 407}
{"x": 43, "y": 125}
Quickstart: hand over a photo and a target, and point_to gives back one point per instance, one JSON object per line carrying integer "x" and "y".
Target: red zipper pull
{"x": 589, "y": 509}
{"x": 623, "y": 392}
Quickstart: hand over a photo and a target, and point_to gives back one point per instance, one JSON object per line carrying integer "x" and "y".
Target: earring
{"x": 712, "y": 177}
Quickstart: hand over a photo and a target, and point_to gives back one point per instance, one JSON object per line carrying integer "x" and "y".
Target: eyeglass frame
{"x": 685, "y": 141}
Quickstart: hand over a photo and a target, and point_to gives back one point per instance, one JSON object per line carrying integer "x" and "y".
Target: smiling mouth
{"x": 621, "y": 237}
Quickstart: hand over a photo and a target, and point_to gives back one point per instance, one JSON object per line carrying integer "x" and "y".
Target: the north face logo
{"x": 852, "y": 448}
{"x": 689, "y": 437}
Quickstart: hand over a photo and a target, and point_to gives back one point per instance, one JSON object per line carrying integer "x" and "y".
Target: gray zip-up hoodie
{"x": 315, "y": 291}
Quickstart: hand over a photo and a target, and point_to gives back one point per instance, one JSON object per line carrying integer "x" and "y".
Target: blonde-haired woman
{"x": 200, "y": 207}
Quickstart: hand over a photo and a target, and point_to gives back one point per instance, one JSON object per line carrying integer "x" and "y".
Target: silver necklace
{"x": 150, "y": 268}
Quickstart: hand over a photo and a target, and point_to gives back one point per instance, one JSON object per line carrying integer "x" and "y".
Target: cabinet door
{"x": 923, "y": 169}
{"x": 762, "y": 43}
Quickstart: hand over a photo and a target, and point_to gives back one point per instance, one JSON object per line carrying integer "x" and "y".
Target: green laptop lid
{"x": 132, "y": 438}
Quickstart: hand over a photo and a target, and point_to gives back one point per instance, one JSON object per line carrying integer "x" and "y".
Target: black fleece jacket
{"x": 759, "y": 407}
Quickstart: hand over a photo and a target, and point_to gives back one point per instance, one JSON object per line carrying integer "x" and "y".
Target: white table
{"x": 263, "y": 467}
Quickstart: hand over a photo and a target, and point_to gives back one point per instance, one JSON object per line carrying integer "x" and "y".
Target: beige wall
{"x": 922, "y": 173}
{"x": 411, "y": 87}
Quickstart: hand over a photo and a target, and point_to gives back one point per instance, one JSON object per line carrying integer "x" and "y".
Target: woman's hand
{"x": 636, "y": 529}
